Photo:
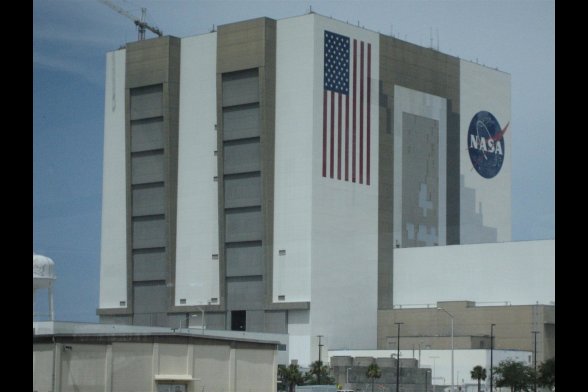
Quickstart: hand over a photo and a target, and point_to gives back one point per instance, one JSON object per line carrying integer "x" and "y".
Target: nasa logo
{"x": 486, "y": 144}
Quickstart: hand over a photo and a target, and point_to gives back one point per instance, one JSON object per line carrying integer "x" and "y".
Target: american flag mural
{"x": 346, "y": 109}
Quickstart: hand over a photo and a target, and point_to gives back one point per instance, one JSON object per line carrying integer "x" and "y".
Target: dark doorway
{"x": 238, "y": 320}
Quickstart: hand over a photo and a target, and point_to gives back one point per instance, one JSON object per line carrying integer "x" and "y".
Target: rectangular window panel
{"x": 148, "y": 199}
{"x": 243, "y": 190}
{"x": 242, "y": 156}
{"x": 149, "y": 232}
{"x": 240, "y": 87}
{"x": 147, "y": 167}
{"x": 146, "y": 102}
{"x": 241, "y": 122}
{"x": 147, "y": 134}
{"x": 243, "y": 224}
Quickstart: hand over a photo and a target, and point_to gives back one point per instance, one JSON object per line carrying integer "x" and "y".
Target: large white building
{"x": 263, "y": 175}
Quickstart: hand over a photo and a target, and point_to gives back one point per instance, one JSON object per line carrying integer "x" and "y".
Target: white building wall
{"x": 197, "y": 273}
{"x": 344, "y": 222}
{"x": 521, "y": 273}
{"x": 295, "y": 59}
{"x": 113, "y": 249}
{"x": 486, "y": 89}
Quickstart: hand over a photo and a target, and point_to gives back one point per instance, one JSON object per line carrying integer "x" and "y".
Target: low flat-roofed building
{"x": 101, "y": 357}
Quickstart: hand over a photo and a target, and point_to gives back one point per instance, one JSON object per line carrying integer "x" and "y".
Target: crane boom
{"x": 140, "y": 23}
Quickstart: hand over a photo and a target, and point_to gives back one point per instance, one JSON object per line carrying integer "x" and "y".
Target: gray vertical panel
{"x": 149, "y": 264}
{"x": 244, "y": 259}
{"x": 255, "y": 321}
{"x": 244, "y": 224}
{"x": 276, "y": 322}
{"x": 150, "y": 297}
{"x": 241, "y": 122}
{"x": 240, "y": 87}
{"x": 147, "y": 102}
{"x": 420, "y": 180}
{"x": 148, "y": 199}
{"x": 147, "y": 134}
{"x": 147, "y": 167}
{"x": 149, "y": 232}
{"x": 245, "y": 293}
{"x": 242, "y": 156}
{"x": 243, "y": 190}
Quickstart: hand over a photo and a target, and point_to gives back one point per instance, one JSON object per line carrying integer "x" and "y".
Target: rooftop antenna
{"x": 140, "y": 23}
{"x": 310, "y": 9}
{"x": 437, "y": 38}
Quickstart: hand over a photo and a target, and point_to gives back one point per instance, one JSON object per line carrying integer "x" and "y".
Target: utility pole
{"x": 491, "y": 352}
{"x": 320, "y": 363}
{"x": 398, "y": 357}
{"x": 535, "y": 360}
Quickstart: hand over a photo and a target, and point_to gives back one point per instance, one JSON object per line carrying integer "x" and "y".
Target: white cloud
{"x": 65, "y": 65}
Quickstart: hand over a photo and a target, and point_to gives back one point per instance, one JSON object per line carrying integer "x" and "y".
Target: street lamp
{"x": 320, "y": 363}
{"x": 398, "y": 357}
{"x": 433, "y": 357}
{"x": 535, "y": 360}
{"x": 491, "y": 353}
{"x": 450, "y": 315}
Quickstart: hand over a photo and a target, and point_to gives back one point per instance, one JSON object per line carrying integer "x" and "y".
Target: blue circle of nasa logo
{"x": 486, "y": 144}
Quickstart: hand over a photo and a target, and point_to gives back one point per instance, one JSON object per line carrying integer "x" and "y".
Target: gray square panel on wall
{"x": 243, "y": 190}
{"x": 150, "y": 297}
{"x": 147, "y": 102}
{"x": 245, "y": 293}
{"x": 149, "y": 264}
{"x": 147, "y": 167}
{"x": 149, "y": 232}
{"x": 240, "y": 88}
{"x": 244, "y": 259}
{"x": 242, "y": 156}
{"x": 147, "y": 134}
{"x": 241, "y": 122}
{"x": 148, "y": 199}
{"x": 243, "y": 224}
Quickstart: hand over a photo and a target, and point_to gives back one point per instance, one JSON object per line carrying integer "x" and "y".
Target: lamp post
{"x": 491, "y": 353}
{"x": 320, "y": 363}
{"x": 433, "y": 357}
{"x": 535, "y": 360}
{"x": 450, "y": 315}
{"x": 398, "y": 357}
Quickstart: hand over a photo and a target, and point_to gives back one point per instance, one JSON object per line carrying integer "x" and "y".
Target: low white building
{"x": 114, "y": 358}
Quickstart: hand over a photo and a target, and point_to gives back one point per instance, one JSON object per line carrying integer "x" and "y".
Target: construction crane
{"x": 140, "y": 23}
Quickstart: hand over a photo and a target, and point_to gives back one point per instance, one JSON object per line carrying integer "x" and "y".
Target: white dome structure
{"x": 43, "y": 278}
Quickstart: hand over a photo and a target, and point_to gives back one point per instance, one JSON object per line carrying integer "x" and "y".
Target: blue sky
{"x": 71, "y": 38}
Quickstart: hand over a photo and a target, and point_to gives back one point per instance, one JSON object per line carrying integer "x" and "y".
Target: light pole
{"x": 347, "y": 376}
{"x": 320, "y": 363}
{"x": 491, "y": 353}
{"x": 535, "y": 360}
{"x": 433, "y": 357}
{"x": 398, "y": 357}
{"x": 450, "y": 315}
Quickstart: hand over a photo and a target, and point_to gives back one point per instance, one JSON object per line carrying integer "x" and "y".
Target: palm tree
{"x": 290, "y": 376}
{"x": 478, "y": 373}
{"x": 312, "y": 375}
{"x": 373, "y": 372}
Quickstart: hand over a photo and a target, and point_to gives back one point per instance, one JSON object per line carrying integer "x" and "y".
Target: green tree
{"x": 290, "y": 376}
{"x": 316, "y": 368}
{"x": 373, "y": 372}
{"x": 478, "y": 373}
{"x": 546, "y": 374}
{"x": 514, "y": 375}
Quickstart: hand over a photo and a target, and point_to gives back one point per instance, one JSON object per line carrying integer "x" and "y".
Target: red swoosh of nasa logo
{"x": 500, "y": 134}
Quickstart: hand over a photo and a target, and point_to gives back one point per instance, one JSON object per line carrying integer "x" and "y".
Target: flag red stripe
{"x": 339, "y": 137}
{"x": 347, "y": 137}
{"x": 325, "y": 133}
{"x": 332, "y": 156}
{"x": 361, "y": 114}
{"x": 354, "y": 104}
{"x": 369, "y": 82}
